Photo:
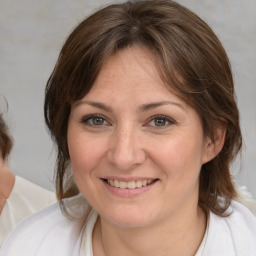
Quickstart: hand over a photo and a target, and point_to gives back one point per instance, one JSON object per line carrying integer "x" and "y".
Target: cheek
{"x": 84, "y": 153}
{"x": 179, "y": 155}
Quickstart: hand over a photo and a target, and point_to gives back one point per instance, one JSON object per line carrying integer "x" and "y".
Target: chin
{"x": 128, "y": 219}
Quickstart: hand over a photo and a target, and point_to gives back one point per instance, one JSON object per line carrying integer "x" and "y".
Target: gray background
{"x": 31, "y": 35}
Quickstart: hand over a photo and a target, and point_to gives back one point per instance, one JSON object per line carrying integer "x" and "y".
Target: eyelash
{"x": 161, "y": 117}
{"x": 86, "y": 120}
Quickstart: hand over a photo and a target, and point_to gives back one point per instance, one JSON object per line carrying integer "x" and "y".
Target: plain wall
{"x": 31, "y": 35}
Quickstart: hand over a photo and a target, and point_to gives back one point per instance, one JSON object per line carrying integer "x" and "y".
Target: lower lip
{"x": 126, "y": 192}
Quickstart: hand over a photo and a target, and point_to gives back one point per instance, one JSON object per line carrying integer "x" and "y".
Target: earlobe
{"x": 213, "y": 147}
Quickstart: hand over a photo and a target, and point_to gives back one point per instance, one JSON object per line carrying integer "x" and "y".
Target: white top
{"x": 50, "y": 232}
{"x": 25, "y": 198}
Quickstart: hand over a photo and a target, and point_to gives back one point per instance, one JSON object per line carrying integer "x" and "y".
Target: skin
{"x": 129, "y": 127}
{"x": 7, "y": 181}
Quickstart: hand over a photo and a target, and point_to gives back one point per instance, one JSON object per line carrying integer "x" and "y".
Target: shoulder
{"x": 24, "y": 199}
{"x": 232, "y": 235}
{"x": 49, "y": 231}
{"x": 244, "y": 197}
{"x": 27, "y": 197}
{"x": 32, "y": 191}
{"x": 242, "y": 224}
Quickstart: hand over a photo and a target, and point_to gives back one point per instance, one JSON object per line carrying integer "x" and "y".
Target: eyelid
{"x": 170, "y": 120}
{"x": 84, "y": 120}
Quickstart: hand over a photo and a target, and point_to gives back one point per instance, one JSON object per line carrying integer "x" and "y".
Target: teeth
{"x": 138, "y": 183}
{"x": 122, "y": 184}
{"x": 129, "y": 184}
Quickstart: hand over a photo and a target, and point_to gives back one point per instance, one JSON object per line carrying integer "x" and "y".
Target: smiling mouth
{"x": 129, "y": 184}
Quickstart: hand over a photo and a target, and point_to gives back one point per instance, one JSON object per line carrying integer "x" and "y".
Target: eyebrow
{"x": 99, "y": 105}
{"x": 147, "y": 107}
{"x": 143, "y": 108}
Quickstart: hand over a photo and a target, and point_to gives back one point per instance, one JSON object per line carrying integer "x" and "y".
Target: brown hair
{"x": 191, "y": 60}
{"x": 5, "y": 139}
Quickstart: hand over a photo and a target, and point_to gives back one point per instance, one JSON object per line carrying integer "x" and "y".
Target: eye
{"x": 160, "y": 121}
{"x": 94, "y": 120}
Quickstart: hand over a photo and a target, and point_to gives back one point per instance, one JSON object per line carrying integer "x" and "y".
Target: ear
{"x": 214, "y": 146}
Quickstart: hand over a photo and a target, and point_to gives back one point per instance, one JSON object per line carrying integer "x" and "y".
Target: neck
{"x": 7, "y": 180}
{"x": 177, "y": 235}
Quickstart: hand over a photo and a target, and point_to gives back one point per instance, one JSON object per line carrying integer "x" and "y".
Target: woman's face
{"x": 136, "y": 149}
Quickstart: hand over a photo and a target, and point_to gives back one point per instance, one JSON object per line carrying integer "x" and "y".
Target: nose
{"x": 126, "y": 151}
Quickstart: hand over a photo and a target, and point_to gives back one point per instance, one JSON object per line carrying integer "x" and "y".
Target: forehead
{"x": 134, "y": 60}
{"x": 131, "y": 74}
{"x": 130, "y": 69}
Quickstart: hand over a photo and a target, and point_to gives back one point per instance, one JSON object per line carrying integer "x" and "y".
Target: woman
{"x": 18, "y": 197}
{"x": 141, "y": 107}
